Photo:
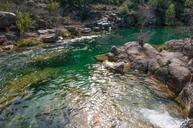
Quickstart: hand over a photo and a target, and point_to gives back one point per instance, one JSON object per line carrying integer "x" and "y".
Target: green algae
{"x": 49, "y": 58}
{"x": 18, "y": 86}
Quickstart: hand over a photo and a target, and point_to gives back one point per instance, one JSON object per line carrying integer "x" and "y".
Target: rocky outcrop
{"x": 7, "y": 19}
{"x": 184, "y": 46}
{"x": 173, "y": 67}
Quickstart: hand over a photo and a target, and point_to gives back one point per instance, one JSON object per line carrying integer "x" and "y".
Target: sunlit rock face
{"x": 169, "y": 67}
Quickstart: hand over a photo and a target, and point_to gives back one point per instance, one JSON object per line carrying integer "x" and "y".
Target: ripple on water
{"x": 122, "y": 101}
{"x": 78, "y": 99}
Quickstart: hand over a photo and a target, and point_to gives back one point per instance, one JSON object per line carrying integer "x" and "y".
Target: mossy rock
{"x": 102, "y": 57}
{"x": 50, "y": 58}
{"x": 162, "y": 47}
{"x": 29, "y": 42}
{"x": 66, "y": 34}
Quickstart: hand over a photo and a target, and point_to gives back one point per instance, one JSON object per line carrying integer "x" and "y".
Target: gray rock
{"x": 46, "y": 31}
{"x": 30, "y": 34}
{"x": 115, "y": 50}
{"x": 12, "y": 36}
{"x": 168, "y": 67}
{"x": 85, "y": 30}
{"x": 3, "y": 39}
{"x": 49, "y": 38}
{"x": 184, "y": 46}
{"x": 7, "y": 19}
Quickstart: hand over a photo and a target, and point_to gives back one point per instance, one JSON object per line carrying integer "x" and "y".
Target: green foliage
{"x": 29, "y": 42}
{"x": 6, "y": 6}
{"x": 170, "y": 14}
{"x": 53, "y": 5}
{"x": 153, "y": 3}
{"x": 24, "y": 21}
{"x": 114, "y": 2}
{"x": 188, "y": 3}
{"x": 124, "y": 8}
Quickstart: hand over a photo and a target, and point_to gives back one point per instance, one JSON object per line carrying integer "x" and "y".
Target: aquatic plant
{"x": 18, "y": 86}
{"x": 49, "y": 58}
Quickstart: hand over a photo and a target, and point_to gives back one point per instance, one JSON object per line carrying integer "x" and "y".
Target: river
{"x": 68, "y": 88}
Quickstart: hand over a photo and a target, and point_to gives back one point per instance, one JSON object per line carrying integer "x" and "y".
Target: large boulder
{"x": 168, "y": 67}
{"x": 7, "y": 19}
{"x": 184, "y": 46}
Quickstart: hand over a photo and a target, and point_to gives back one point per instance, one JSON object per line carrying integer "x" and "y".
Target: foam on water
{"x": 161, "y": 119}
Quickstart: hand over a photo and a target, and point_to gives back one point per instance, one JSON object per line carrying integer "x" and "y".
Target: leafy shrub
{"x": 53, "y": 5}
{"x": 170, "y": 14}
{"x": 153, "y": 3}
{"x": 6, "y": 6}
{"x": 24, "y": 21}
{"x": 188, "y": 3}
{"x": 124, "y": 8}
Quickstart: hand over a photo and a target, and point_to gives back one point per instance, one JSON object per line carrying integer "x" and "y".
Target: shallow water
{"x": 76, "y": 92}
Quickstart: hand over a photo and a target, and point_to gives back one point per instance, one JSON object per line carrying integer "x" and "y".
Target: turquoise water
{"x": 49, "y": 103}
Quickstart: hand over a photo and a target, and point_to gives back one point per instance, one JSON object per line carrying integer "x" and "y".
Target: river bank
{"x": 64, "y": 21}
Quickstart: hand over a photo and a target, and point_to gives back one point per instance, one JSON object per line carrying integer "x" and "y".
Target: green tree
{"x": 125, "y": 6}
{"x": 188, "y": 3}
{"x": 153, "y": 3}
{"x": 170, "y": 14}
{"x": 53, "y": 5}
{"x": 24, "y": 22}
